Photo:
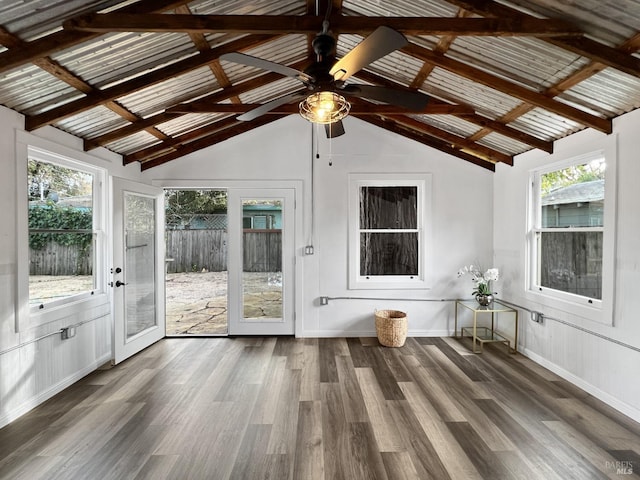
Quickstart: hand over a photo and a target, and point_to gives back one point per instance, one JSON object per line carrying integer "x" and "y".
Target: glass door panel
{"x": 139, "y": 263}
{"x": 262, "y": 260}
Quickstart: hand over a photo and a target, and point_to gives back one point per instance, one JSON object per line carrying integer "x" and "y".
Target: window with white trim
{"x": 387, "y": 216}
{"x": 571, "y": 234}
{"x": 65, "y": 252}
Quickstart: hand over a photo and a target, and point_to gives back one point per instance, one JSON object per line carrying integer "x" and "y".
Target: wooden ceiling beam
{"x": 360, "y": 108}
{"x": 209, "y": 140}
{"x": 63, "y": 39}
{"x": 100, "y": 97}
{"x": 425, "y": 139}
{"x": 509, "y": 88}
{"x": 311, "y": 24}
{"x": 584, "y": 46}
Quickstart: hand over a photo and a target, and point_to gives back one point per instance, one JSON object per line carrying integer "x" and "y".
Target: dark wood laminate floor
{"x": 284, "y": 408}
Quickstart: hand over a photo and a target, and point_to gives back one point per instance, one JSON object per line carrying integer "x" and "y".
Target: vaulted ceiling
{"x": 145, "y": 78}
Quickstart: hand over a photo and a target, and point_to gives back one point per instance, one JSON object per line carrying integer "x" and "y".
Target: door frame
{"x": 298, "y": 247}
{"x": 121, "y": 348}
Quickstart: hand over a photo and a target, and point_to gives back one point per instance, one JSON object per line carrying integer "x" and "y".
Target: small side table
{"x": 482, "y": 334}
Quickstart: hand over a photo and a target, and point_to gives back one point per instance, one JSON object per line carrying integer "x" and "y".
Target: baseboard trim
{"x": 610, "y": 400}
{"x": 369, "y": 333}
{"x": 32, "y": 403}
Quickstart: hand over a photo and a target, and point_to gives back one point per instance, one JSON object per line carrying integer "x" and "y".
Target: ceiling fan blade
{"x": 251, "y": 61}
{"x": 334, "y": 129}
{"x": 267, "y": 107}
{"x": 408, "y": 99}
{"x": 381, "y": 42}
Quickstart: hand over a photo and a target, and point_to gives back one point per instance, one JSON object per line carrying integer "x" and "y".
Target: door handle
{"x": 119, "y": 283}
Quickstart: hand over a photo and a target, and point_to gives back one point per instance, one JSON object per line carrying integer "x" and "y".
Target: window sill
{"x": 598, "y": 313}
{"x": 79, "y": 310}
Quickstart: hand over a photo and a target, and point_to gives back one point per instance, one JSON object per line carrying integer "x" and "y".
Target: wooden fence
{"x": 55, "y": 259}
{"x": 191, "y": 251}
{"x": 197, "y": 250}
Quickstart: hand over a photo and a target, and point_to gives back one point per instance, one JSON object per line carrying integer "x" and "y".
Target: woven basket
{"x": 391, "y": 327}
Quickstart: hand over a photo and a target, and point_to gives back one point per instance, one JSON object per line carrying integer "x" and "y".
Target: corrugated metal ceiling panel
{"x": 545, "y": 125}
{"x": 260, "y": 7}
{"x": 92, "y": 123}
{"x": 175, "y": 90}
{"x": 609, "y": 93}
{"x": 611, "y": 21}
{"x": 31, "y": 90}
{"x": 503, "y": 144}
{"x": 33, "y": 18}
{"x": 189, "y": 122}
{"x": 400, "y": 8}
{"x": 272, "y": 91}
{"x": 115, "y": 58}
{"x": 449, "y": 123}
{"x": 527, "y": 61}
{"x": 133, "y": 143}
{"x": 486, "y": 101}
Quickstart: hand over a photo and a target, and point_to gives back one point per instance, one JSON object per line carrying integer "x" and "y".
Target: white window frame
{"x": 30, "y": 316}
{"x": 422, "y": 181}
{"x": 597, "y": 310}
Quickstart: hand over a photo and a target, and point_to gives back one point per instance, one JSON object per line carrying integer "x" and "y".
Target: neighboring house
{"x": 581, "y": 204}
{"x": 258, "y": 217}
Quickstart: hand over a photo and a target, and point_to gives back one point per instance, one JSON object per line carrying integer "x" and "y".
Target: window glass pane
{"x": 140, "y": 262}
{"x": 388, "y": 207}
{"x": 60, "y": 232}
{"x": 573, "y": 196}
{"x": 389, "y": 254}
{"x": 571, "y": 262}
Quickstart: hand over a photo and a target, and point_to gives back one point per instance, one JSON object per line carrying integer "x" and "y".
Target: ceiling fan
{"x": 322, "y": 100}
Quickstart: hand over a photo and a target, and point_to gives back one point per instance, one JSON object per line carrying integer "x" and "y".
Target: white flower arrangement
{"x": 481, "y": 281}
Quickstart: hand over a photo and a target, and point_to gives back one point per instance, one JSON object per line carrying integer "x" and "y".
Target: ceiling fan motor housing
{"x": 324, "y": 46}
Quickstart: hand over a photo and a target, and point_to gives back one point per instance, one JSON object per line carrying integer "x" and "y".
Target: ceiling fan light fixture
{"x": 324, "y": 107}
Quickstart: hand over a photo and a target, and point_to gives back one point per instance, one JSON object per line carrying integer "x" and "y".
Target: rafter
{"x": 359, "y": 108}
{"x": 584, "y": 46}
{"x": 63, "y": 39}
{"x": 310, "y": 24}
{"x": 125, "y": 88}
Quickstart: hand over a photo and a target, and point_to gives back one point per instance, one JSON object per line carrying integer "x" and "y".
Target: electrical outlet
{"x": 68, "y": 332}
{"x": 308, "y": 250}
{"x": 324, "y": 300}
{"x": 536, "y": 317}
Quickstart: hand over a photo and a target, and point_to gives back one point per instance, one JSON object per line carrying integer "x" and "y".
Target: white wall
{"x": 33, "y": 364}
{"x": 589, "y": 355}
{"x": 462, "y": 215}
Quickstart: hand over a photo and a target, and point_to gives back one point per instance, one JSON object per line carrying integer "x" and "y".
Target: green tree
{"x": 180, "y": 202}
{"x": 586, "y": 172}
{"x": 46, "y": 180}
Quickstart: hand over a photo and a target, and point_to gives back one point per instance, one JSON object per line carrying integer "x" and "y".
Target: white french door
{"x": 138, "y": 268}
{"x": 261, "y": 261}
